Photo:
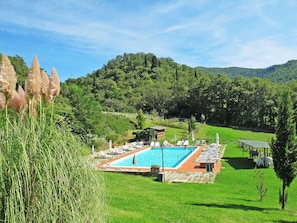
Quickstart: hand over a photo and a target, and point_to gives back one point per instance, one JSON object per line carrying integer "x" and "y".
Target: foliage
{"x": 140, "y": 119}
{"x": 129, "y": 83}
{"x": 284, "y": 147}
{"x": 20, "y": 68}
{"x": 192, "y": 124}
{"x": 43, "y": 177}
{"x": 202, "y": 118}
{"x": 160, "y": 86}
{"x": 172, "y": 122}
{"x": 277, "y": 73}
{"x": 156, "y": 166}
{"x": 85, "y": 116}
{"x": 146, "y": 135}
{"x": 260, "y": 184}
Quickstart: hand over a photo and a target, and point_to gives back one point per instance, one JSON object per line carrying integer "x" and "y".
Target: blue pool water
{"x": 173, "y": 156}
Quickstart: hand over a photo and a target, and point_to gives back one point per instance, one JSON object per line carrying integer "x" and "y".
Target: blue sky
{"x": 78, "y": 37}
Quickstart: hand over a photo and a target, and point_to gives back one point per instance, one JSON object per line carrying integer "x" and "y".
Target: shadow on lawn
{"x": 282, "y": 221}
{"x": 240, "y": 162}
{"x": 234, "y": 206}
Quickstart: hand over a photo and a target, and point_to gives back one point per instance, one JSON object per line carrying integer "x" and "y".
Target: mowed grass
{"x": 232, "y": 198}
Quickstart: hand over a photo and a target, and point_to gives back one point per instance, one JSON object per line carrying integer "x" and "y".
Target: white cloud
{"x": 261, "y": 53}
{"x": 207, "y": 33}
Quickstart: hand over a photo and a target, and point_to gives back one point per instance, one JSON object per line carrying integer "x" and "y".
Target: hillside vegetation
{"x": 238, "y": 97}
{"x": 277, "y": 73}
{"x": 161, "y": 86}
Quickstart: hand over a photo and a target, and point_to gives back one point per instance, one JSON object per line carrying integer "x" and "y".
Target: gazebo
{"x": 254, "y": 146}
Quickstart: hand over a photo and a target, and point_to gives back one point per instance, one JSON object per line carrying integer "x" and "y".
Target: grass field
{"x": 232, "y": 198}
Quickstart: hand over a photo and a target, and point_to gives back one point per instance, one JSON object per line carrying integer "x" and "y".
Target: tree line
{"x": 160, "y": 86}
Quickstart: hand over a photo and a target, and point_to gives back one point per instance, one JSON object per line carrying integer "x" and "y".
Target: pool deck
{"x": 190, "y": 171}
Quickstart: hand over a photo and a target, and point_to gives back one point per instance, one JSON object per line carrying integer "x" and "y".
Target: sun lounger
{"x": 127, "y": 148}
{"x": 157, "y": 144}
{"x": 137, "y": 145}
{"x": 179, "y": 143}
{"x": 116, "y": 151}
{"x": 103, "y": 155}
{"x": 166, "y": 143}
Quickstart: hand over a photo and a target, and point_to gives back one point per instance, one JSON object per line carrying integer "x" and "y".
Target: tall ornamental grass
{"x": 43, "y": 177}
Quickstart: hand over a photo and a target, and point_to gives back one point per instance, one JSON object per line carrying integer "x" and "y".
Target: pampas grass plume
{"x": 44, "y": 85}
{"x": 18, "y": 101}
{"x": 54, "y": 86}
{"x": 7, "y": 77}
{"x": 33, "y": 82}
{"x": 2, "y": 101}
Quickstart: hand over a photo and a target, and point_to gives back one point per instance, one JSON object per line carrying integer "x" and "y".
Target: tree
{"x": 145, "y": 61}
{"x": 154, "y": 62}
{"x": 146, "y": 135}
{"x": 260, "y": 184}
{"x": 140, "y": 119}
{"x": 192, "y": 124}
{"x": 284, "y": 147}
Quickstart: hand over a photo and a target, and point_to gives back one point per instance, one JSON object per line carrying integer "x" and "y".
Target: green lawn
{"x": 232, "y": 198}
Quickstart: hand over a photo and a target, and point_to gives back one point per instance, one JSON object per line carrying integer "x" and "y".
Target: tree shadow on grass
{"x": 247, "y": 200}
{"x": 234, "y": 206}
{"x": 240, "y": 162}
{"x": 282, "y": 221}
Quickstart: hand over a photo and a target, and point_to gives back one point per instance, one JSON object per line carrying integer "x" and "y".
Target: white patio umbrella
{"x": 217, "y": 139}
{"x": 110, "y": 144}
{"x": 93, "y": 149}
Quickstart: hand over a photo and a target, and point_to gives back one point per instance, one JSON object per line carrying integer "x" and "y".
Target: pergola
{"x": 253, "y": 146}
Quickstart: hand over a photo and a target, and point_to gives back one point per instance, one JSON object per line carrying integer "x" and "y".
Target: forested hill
{"x": 228, "y": 96}
{"x": 160, "y": 86}
{"x": 276, "y": 73}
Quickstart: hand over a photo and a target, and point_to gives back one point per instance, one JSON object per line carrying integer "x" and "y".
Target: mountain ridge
{"x": 276, "y": 73}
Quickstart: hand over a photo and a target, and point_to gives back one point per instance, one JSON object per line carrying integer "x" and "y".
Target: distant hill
{"x": 276, "y": 73}
{"x": 161, "y": 86}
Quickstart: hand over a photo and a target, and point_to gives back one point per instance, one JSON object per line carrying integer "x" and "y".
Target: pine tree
{"x": 284, "y": 147}
{"x": 140, "y": 119}
{"x": 145, "y": 61}
{"x": 154, "y": 62}
{"x": 196, "y": 76}
{"x": 191, "y": 124}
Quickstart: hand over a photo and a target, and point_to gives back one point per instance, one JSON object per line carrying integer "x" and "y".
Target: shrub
{"x": 43, "y": 177}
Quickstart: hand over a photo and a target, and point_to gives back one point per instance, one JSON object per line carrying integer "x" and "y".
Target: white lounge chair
{"x": 152, "y": 144}
{"x": 186, "y": 142}
{"x": 137, "y": 145}
{"x": 166, "y": 143}
{"x": 157, "y": 144}
{"x": 103, "y": 155}
{"x": 127, "y": 148}
{"x": 179, "y": 143}
{"x": 116, "y": 151}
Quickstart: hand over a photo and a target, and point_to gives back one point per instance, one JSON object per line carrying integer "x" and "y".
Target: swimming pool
{"x": 173, "y": 157}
